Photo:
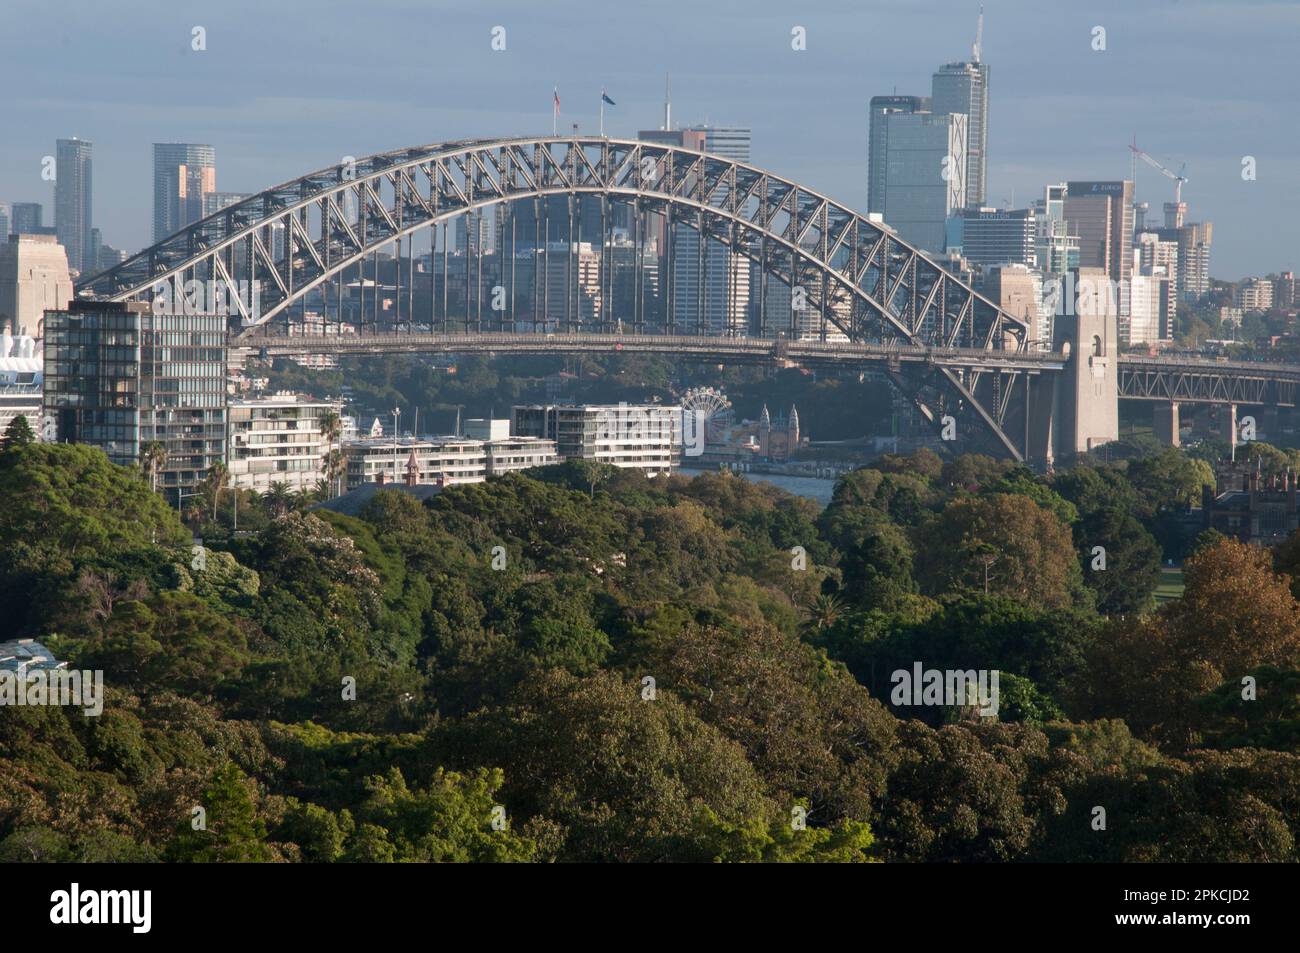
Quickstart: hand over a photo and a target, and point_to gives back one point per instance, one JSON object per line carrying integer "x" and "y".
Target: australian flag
{"x": 604, "y": 98}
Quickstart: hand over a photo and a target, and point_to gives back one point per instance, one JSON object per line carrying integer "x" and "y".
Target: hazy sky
{"x": 284, "y": 88}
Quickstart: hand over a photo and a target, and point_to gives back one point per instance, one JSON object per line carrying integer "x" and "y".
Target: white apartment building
{"x": 640, "y": 437}
{"x": 444, "y": 461}
{"x": 277, "y": 439}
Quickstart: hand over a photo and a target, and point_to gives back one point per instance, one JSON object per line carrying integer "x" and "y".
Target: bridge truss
{"x": 847, "y": 274}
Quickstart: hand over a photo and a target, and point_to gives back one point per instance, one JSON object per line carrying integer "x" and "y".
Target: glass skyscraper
{"x": 72, "y": 201}
{"x": 183, "y": 174}
{"x": 964, "y": 88}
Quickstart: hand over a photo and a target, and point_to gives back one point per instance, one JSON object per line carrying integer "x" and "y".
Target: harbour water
{"x": 814, "y": 488}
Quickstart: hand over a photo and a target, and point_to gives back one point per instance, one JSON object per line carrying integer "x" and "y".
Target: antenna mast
{"x": 979, "y": 37}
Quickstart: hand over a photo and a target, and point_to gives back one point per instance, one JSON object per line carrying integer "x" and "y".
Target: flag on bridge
{"x": 604, "y": 98}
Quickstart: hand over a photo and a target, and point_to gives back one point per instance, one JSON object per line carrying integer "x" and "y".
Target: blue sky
{"x": 287, "y": 87}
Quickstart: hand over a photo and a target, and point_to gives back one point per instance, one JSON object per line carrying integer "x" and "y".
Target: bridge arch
{"x": 865, "y": 280}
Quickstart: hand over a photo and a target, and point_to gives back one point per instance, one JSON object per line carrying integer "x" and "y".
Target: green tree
{"x": 232, "y": 831}
{"x": 17, "y": 434}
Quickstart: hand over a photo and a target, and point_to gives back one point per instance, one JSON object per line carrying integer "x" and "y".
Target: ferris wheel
{"x": 707, "y": 402}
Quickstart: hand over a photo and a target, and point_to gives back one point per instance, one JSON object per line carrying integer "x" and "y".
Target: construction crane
{"x": 1178, "y": 176}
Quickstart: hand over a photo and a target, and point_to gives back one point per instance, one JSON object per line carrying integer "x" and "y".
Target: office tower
{"x": 925, "y": 175}
{"x": 214, "y": 202}
{"x": 1018, "y": 290}
{"x": 1057, "y": 244}
{"x": 1102, "y": 215}
{"x": 119, "y": 377}
{"x": 34, "y": 277}
{"x": 964, "y": 88}
{"x": 183, "y": 173}
{"x": 28, "y": 219}
{"x": 6, "y": 218}
{"x": 716, "y": 298}
{"x": 729, "y": 142}
{"x": 989, "y": 236}
{"x": 878, "y": 142}
{"x": 472, "y": 233}
{"x": 72, "y": 201}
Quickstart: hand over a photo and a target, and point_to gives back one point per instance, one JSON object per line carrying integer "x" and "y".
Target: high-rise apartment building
{"x": 183, "y": 173}
{"x": 1101, "y": 213}
{"x": 963, "y": 88}
{"x": 6, "y": 218}
{"x": 1193, "y": 240}
{"x": 278, "y": 439}
{"x": 73, "y": 201}
{"x": 1253, "y": 294}
{"x": 925, "y": 175}
{"x": 118, "y": 377}
{"x": 214, "y": 202}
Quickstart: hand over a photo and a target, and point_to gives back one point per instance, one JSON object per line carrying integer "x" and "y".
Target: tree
{"x": 1021, "y": 549}
{"x": 232, "y": 832}
{"x": 17, "y": 434}
{"x": 153, "y": 457}
{"x": 1130, "y": 571}
{"x": 1235, "y": 615}
{"x": 331, "y": 428}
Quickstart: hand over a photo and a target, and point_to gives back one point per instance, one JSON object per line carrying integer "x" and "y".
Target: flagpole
{"x": 555, "y": 111}
{"x": 602, "y": 114}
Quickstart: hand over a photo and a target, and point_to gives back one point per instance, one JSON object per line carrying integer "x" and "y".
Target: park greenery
{"x": 570, "y": 665}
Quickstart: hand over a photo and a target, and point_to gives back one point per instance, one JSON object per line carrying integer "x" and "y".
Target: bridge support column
{"x": 1165, "y": 423}
{"x": 1081, "y": 412}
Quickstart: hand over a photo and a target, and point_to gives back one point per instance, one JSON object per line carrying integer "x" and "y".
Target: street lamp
{"x": 397, "y": 412}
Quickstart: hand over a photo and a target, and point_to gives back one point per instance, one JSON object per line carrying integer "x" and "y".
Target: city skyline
{"x": 1055, "y": 103}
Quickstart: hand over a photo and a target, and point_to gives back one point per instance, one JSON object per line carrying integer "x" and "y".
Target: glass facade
{"x": 118, "y": 377}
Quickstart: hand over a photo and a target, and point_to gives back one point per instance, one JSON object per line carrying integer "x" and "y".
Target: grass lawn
{"x": 1171, "y": 585}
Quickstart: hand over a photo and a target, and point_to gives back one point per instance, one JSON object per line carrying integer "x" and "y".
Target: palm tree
{"x": 822, "y": 613}
{"x": 218, "y": 480}
{"x": 278, "y": 498}
{"x": 331, "y": 428}
{"x": 153, "y": 456}
{"x": 334, "y": 467}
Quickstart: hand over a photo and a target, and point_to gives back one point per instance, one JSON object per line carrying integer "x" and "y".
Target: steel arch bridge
{"x": 858, "y": 276}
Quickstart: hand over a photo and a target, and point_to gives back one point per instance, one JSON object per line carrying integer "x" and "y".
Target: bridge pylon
{"x": 1080, "y": 410}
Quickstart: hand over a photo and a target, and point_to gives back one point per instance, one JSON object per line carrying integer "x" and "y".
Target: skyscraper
{"x": 1101, "y": 213}
{"x": 5, "y": 220}
{"x": 878, "y": 142}
{"x": 925, "y": 175}
{"x": 730, "y": 142}
{"x": 72, "y": 201}
{"x": 28, "y": 219}
{"x": 183, "y": 173}
{"x": 964, "y": 88}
